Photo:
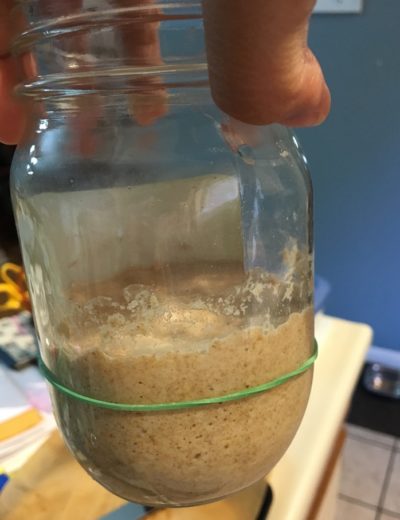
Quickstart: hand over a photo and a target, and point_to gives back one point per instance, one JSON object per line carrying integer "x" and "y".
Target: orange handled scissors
{"x": 13, "y": 293}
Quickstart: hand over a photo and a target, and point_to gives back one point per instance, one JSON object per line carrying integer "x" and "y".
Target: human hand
{"x": 261, "y": 70}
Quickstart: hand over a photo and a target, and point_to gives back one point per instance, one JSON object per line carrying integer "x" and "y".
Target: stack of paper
{"x": 21, "y": 425}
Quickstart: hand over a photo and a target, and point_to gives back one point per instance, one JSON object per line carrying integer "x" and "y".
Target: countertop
{"x": 294, "y": 481}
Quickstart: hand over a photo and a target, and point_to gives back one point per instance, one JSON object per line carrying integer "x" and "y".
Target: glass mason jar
{"x": 168, "y": 251}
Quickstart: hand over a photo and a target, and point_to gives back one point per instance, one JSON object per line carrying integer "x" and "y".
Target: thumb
{"x": 261, "y": 69}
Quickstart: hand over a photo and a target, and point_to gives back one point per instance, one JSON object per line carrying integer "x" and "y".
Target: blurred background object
{"x": 14, "y": 295}
{"x": 9, "y": 250}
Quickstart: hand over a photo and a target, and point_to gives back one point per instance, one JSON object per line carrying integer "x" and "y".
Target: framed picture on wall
{"x": 339, "y": 6}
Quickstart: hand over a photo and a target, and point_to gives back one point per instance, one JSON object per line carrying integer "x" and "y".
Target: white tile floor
{"x": 370, "y": 482}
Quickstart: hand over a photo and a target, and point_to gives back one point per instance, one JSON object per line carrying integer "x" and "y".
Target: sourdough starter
{"x": 145, "y": 338}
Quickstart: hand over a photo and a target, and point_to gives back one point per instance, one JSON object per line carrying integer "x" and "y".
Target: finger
{"x": 141, "y": 44}
{"x": 5, "y": 26}
{"x": 12, "y": 115}
{"x": 85, "y": 111}
{"x": 69, "y": 43}
{"x": 261, "y": 70}
{"x": 12, "y": 118}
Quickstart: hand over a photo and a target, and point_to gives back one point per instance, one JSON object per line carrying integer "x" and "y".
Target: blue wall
{"x": 355, "y": 164}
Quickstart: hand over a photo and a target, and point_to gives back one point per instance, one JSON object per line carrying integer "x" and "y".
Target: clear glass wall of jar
{"x": 168, "y": 251}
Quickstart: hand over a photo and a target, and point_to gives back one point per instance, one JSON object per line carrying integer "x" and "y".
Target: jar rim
{"x": 60, "y": 84}
{"x": 157, "y": 12}
{"x": 66, "y": 72}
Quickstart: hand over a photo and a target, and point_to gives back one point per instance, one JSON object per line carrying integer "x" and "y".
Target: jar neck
{"x": 109, "y": 47}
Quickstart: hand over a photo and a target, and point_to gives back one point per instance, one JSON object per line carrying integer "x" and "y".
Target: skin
{"x": 261, "y": 69}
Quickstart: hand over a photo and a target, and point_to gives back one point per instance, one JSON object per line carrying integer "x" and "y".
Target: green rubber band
{"x": 162, "y": 407}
